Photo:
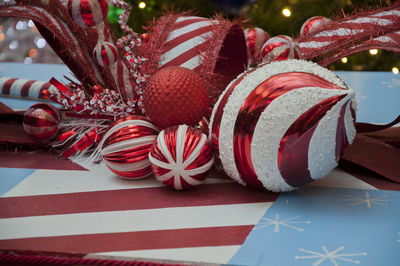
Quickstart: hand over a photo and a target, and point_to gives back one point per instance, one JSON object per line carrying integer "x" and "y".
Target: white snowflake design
{"x": 333, "y": 256}
{"x": 285, "y": 222}
{"x": 398, "y": 240}
{"x": 358, "y": 200}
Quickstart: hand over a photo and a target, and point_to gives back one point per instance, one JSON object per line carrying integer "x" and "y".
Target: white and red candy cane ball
{"x": 181, "y": 156}
{"x": 255, "y": 39}
{"x": 282, "y": 124}
{"x": 126, "y": 145}
{"x": 314, "y": 24}
{"x": 280, "y": 47}
{"x": 41, "y": 121}
{"x": 105, "y": 54}
{"x": 88, "y": 13}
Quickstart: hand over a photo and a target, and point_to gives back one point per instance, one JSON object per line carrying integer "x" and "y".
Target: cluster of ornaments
{"x": 277, "y": 126}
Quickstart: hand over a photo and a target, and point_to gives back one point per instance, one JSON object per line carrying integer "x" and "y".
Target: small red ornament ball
{"x": 280, "y": 47}
{"x": 41, "y": 121}
{"x": 105, "y": 54}
{"x": 88, "y": 13}
{"x": 175, "y": 95}
{"x": 126, "y": 145}
{"x": 181, "y": 156}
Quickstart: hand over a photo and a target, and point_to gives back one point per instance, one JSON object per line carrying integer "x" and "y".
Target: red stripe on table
{"x": 36, "y": 160}
{"x": 121, "y": 200}
{"x": 7, "y": 86}
{"x": 155, "y": 239}
{"x": 187, "y": 36}
{"x": 26, "y": 87}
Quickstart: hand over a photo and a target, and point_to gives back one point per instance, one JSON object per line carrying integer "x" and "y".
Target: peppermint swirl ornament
{"x": 181, "y": 156}
{"x": 105, "y": 54}
{"x": 314, "y": 24}
{"x": 88, "y": 13}
{"x": 280, "y": 47}
{"x": 42, "y": 121}
{"x": 283, "y": 124}
{"x": 126, "y": 145}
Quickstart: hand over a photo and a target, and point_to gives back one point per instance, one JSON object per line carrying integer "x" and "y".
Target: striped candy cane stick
{"x": 23, "y": 87}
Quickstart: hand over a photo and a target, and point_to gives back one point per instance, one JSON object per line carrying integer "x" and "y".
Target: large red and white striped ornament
{"x": 88, "y": 13}
{"x": 314, "y": 24}
{"x": 283, "y": 124}
{"x": 280, "y": 47}
{"x": 105, "y": 54}
{"x": 126, "y": 145}
{"x": 181, "y": 156}
{"x": 24, "y": 87}
{"x": 255, "y": 39}
{"x": 42, "y": 121}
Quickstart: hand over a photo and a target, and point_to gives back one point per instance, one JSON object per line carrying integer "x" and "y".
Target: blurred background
{"x": 21, "y": 42}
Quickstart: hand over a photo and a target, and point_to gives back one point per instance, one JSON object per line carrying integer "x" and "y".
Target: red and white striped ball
{"x": 282, "y": 124}
{"x": 41, "y": 121}
{"x": 181, "y": 156}
{"x": 280, "y": 47}
{"x": 314, "y": 24}
{"x": 126, "y": 145}
{"x": 88, "y": 13}
{"x": 105, "y": 54}
{"x": 255, "y": 39}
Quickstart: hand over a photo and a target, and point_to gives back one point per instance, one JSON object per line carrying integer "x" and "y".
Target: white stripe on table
{"x": 132, "y": 221}
{"x": 45, "y": 182}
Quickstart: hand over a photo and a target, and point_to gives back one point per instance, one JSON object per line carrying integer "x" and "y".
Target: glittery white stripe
{"x": 349, "y": 121}
{"x": 322, "y": 149}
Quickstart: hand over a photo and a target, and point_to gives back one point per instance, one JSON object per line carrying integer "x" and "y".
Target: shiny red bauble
{"x": 41, "y": 121}
{"x": 126, "y": 145}
{"x": 181, "y": 156}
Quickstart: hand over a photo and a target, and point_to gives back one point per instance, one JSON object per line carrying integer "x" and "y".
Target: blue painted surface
{"x": 10, "y": 177}
{"x": 316, "y": 221}
{"x": 377, "y": 94}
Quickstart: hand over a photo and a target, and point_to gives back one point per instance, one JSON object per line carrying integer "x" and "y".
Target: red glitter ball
{"x": 175, "y": 95}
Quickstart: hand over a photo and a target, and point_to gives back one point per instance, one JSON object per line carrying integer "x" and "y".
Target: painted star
{"x": 333, "y": 256}
{"x": 358, "y": 200}
{"x": 277, "y": 223}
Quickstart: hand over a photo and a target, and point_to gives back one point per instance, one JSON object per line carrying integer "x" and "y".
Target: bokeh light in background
{"x": 21, "y": 42}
